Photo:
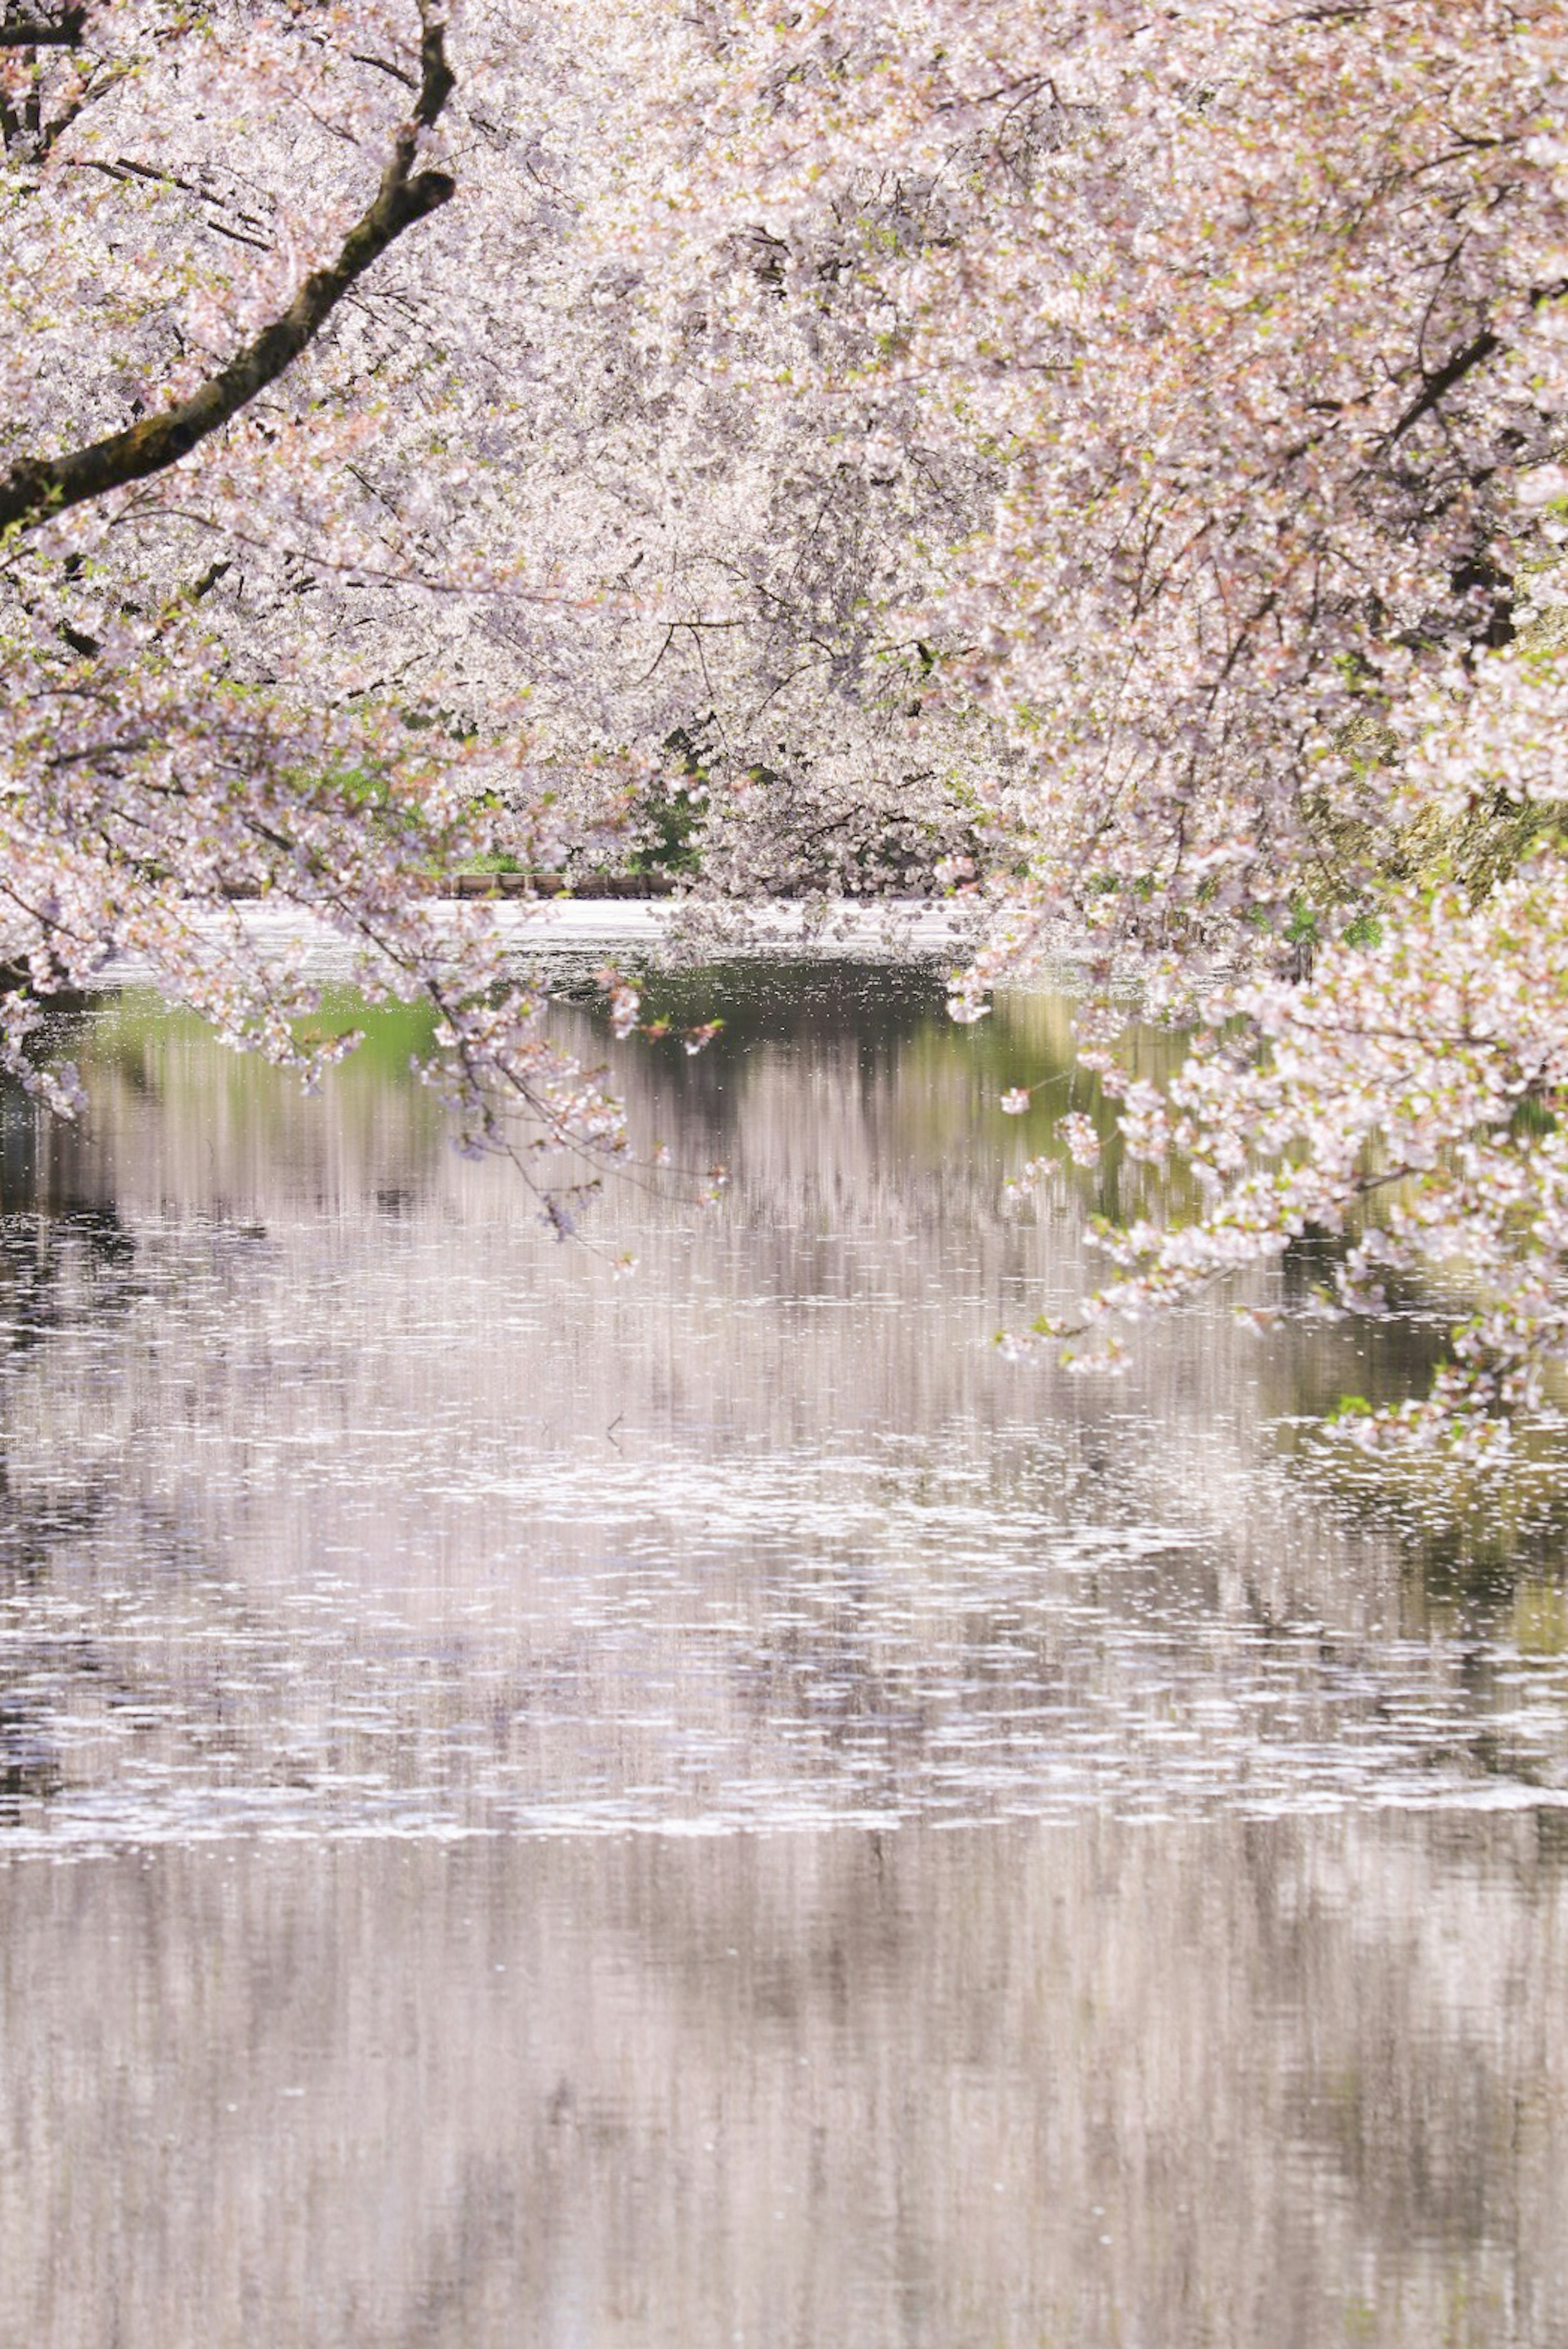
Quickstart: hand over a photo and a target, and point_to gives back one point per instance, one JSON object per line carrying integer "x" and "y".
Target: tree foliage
{"x": 1108, "y": 461}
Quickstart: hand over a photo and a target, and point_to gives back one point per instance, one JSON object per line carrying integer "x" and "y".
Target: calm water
{"x": 707, "y": 1808}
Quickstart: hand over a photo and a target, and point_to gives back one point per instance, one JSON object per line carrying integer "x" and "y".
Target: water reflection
{"x": 421, "y": 1641}
{"x": 1222, "y": 2084}
{"x": 338, "y": 1499}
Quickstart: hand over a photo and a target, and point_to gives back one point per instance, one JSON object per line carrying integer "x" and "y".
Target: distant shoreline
{"x": 866, "y": 928}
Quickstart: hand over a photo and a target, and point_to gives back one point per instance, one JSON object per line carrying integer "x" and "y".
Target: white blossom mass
{"x": 1107, "y": 461}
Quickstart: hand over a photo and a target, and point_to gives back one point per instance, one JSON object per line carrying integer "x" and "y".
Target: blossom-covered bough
{"x": 191, "y": 201}
{"x": 1104, "y": 458}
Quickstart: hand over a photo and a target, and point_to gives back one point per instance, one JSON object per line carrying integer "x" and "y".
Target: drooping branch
{"x": 39, "y": 488}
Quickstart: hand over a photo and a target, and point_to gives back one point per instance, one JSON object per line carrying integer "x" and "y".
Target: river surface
{"x": 539, "y": 1807}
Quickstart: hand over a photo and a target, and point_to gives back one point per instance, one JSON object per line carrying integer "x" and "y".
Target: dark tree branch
{"x": 126, "y": 167}
{"x": 61, "y": 32}
{"x": 1453, "y": 370}
{"x": 1464, "y": 362}
{"x": 39, "y": 488}
{"x": 382, "y": 65}
{"x": 91, "y": 85}
{"x": 207, "y": 582}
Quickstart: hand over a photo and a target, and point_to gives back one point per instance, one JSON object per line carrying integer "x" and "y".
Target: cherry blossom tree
{"x": 1105, "y": 458}
{"x": 349, "y": 534}
{"x": 1260, "y": 313}
{"x": 199, "y": 210}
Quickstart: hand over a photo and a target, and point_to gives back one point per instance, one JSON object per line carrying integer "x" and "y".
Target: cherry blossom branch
{"x": 39, "y": 488}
